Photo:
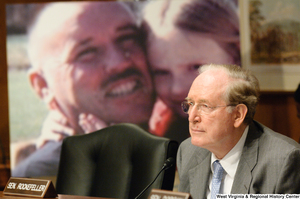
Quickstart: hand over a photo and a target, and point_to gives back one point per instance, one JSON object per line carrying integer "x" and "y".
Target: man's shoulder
{"x": 274, "y": 141}
{"x": 276, "y": 138}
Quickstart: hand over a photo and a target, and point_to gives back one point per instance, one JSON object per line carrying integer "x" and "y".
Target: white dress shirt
{"x": 229, "y": 163}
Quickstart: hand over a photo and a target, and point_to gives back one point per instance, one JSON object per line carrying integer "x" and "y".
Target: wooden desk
{"x": 60, "y": 196}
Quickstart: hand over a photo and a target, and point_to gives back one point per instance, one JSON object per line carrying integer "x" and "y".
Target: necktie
{"x": 217, "y": 179}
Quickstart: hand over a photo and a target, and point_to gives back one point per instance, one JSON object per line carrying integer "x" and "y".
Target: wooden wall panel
{"x": 4, "y": 127}
{"x": 277, "y": 110}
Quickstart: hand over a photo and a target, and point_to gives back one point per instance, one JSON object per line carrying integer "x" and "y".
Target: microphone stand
{"x": 167, "y": 165}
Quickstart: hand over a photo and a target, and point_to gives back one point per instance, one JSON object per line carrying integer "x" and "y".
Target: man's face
{"x": 215, "y": 130}
{"x": 97, "y": 65}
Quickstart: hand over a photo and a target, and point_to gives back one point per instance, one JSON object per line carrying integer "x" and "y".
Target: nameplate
{"x": 163, "y": 194}
{"x": 30, "y": 187}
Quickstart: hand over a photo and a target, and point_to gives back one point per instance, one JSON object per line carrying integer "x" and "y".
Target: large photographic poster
{"x": 270, "y": 42}
{"x": 77, "y": 67}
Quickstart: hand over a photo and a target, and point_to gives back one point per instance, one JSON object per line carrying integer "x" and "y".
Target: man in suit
{"x": 253, "y": 159}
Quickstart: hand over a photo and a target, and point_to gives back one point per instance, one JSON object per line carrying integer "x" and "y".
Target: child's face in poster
{"x": 175, "y": 57}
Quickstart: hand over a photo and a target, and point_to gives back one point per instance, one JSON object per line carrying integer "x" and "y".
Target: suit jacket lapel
{"x": 243, "y": 176}
{"x": 199, "y": 176}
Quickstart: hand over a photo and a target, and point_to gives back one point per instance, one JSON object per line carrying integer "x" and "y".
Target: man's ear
{"x": 40, "y": 86}
{"x": 37, "y": 82}
{"x": 240, "y": 114}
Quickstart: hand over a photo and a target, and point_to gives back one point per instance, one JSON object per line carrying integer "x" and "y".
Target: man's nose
{"x": 194, "y": 115}
{"x": 116, "y": 59}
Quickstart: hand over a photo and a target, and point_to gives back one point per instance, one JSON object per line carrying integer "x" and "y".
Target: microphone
{"x": 167, "y": 164}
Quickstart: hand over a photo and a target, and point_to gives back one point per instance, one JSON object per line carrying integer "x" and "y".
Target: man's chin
{"x": 197, "y": 142}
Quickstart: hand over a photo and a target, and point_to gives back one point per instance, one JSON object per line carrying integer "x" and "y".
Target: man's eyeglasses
{"x": 201, "y": 108}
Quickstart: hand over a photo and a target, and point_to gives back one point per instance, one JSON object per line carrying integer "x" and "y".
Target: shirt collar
{"x": 232, "y": 158}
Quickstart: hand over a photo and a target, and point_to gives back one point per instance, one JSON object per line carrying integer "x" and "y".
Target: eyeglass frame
{"x": 211, "y": 108}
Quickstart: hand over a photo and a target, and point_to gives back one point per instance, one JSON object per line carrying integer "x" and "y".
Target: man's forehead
{"x": 208, "y": 85}
{"x": 215, "y": 78}
{"x": 61, "y": 20}
{"x": 107, "y": 9}
{"x": 57, "y": 14}
{"x": 65, "y": 18}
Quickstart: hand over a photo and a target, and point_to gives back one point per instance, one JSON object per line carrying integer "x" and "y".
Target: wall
{"x": 277, "y": 110}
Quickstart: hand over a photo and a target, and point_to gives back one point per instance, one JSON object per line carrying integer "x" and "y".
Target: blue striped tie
{"x": 217, "y": 179}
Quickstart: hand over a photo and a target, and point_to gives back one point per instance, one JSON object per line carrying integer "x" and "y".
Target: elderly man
{"x": 87, "y": 58}
{"x": 228, "y": 151}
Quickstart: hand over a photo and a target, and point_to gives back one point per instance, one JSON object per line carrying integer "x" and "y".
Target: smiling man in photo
{"x": 87, "y": 58}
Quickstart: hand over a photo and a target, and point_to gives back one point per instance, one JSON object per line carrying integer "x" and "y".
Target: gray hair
{"x": 244, "y": 89}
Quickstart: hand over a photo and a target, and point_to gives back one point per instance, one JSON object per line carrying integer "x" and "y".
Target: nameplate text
{"x": 163, "y": 194}
{"x": 30, "y": 187}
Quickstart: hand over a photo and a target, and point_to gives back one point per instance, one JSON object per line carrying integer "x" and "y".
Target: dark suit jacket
{"x": 270, "y": 163}
{"x": 43, "y": 162}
